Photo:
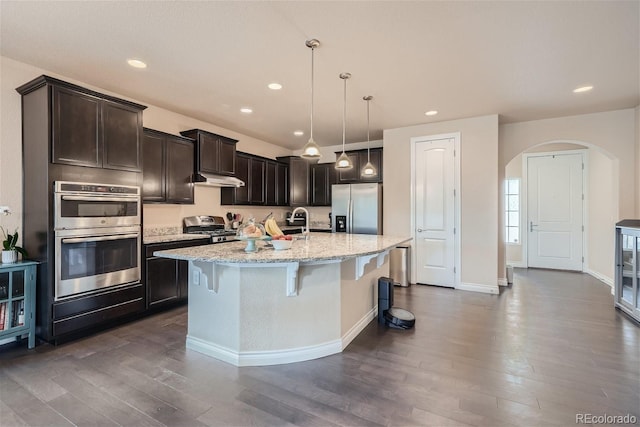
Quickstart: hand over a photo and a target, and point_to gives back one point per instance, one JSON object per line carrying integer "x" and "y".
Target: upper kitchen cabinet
{"x": 87, "y": 128}
{"x": 252, "y": 170}
{"x": 215, "y": 154}
{"x": 359, "y": 159}
{"x": 276, "y": 184}
{"x": 323, "y": 175}
{"x": 167, "y": 168}
{"x": 298, "y": 172}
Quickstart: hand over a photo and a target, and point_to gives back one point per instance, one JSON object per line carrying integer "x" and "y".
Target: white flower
{"x": 5, "y": 210}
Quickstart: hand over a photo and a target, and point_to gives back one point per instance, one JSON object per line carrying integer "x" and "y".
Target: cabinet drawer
{"x": 97, "y": 317}
{"x": 95, "y": 302}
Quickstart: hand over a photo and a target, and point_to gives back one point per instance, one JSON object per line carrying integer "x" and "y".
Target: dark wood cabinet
{"x": 323, "y": 176}
{"x": 167, "y": 280}
{"x": 298, "y": 171}
{"x": 359, "y": 160}
{"x": 263, "y": 182}
{"x": 94, "y": 132}
{"x": 215, "y": 154}
{"x": 167, "y": 168}
{"x": 276, "y": 184}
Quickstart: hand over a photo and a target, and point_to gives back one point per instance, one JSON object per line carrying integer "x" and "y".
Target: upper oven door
{"x": 90, "y": 210}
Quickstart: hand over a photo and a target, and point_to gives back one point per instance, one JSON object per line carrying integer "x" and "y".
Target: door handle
{"x": 419, "y": 230}
{"x": 531, "y": 225}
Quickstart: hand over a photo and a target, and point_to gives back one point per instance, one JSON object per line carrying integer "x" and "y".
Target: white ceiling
{"x": 520, "y": 60}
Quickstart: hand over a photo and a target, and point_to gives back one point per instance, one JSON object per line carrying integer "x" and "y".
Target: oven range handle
{"x": 99, "y": 198}
{"x": 99, "y": 239}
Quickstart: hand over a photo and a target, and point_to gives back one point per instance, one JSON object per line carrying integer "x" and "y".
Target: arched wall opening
{"x": 601, "y": 206}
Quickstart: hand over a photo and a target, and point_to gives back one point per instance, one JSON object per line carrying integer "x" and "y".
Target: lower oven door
{"x": 92, "y": 259}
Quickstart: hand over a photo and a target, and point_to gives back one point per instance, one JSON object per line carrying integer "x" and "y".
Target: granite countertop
{"x": 320, "y": 246}
{"x": 167, "y": 238}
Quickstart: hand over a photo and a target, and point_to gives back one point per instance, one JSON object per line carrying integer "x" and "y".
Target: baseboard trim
{"x": 278, "y": 357}
{"x": 359, "y": 326}
{"x": 477, "y": 287}
{"x": 518, "y": 264}
{"x": 599, "y": 276}
{"x": 502, "y": 281}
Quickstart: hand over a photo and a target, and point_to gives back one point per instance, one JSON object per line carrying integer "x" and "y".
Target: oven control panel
{"x": 77, "y": 187}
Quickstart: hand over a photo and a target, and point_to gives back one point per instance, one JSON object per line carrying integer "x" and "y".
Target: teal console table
{"x": 17, "y": 301}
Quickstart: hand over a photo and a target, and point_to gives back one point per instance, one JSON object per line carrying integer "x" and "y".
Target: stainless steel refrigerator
{"x": 356, "y": 208}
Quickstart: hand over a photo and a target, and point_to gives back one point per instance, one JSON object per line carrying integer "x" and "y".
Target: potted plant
{"x": 9, "y": 243}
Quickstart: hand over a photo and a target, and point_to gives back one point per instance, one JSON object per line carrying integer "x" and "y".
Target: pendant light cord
{"x": 344, "y": 115}
{"x": 311, "y": 131}
{"x": 368, "y": 143}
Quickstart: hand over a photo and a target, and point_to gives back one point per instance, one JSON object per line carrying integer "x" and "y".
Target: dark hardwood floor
{"x": 547, "y": 348}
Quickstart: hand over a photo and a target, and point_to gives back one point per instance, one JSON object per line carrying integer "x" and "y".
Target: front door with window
{"x": 555, "y": 211}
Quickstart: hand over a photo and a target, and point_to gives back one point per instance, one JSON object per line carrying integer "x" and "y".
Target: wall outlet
{"x": 196, "y": 278}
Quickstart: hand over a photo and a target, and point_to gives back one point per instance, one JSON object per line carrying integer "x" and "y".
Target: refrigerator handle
{"x": 350, "y": 222}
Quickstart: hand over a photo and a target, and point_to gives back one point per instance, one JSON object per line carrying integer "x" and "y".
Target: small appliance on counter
{"x": 211, "y": 225}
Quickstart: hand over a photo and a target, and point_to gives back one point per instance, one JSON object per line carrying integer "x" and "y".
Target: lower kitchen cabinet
{"x": 167, "y": 280}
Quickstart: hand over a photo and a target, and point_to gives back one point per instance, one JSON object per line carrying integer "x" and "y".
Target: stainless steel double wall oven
{"x": 97, "y": 237}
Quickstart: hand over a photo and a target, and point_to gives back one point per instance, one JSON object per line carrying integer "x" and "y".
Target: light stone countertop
{"x": 168, "y": 238}
{"x": 321, "y": 246}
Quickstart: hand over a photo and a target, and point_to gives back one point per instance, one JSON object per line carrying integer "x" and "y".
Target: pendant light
{"x": 368, "y": 171}
{"x": 344, "y": 162}
{"x": 311, "y": 151}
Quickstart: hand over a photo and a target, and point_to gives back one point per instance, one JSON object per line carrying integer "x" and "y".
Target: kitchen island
{"x": 271, "y": 307}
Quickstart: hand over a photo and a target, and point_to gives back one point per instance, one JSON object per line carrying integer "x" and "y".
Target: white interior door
{"x": 434, "y": 237}
{"x": 555, "y": 211}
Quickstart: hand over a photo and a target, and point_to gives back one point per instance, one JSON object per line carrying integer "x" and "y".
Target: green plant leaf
{"x": 22, "y": 252}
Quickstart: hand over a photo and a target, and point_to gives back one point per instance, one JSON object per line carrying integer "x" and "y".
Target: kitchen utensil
{"x": 229, "y": 216}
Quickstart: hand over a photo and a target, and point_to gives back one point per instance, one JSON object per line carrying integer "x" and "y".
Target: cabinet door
{"x": 320, "y": 184}
{"x": 121, "y": 137}
{"x": 179, "y": 171}
{"x": 208, "y": 146}
{"x": 353, "y": 174}
{"x": 256, "y": 182}
{"x": 76, "y": 118}
{"x": 241, "y": 194}
{"x": 227, "y": 156}
{"x": 299, "y": 182}
{"x": 153, "y": 168}
{"x": 282, "y": 185}
{"x": 270, "y": 185}
{"x": 162, "y": 280}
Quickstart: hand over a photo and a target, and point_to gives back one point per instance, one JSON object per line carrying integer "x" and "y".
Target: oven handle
{"x": 99, "y": 239}
{"x": 99, "y": 198}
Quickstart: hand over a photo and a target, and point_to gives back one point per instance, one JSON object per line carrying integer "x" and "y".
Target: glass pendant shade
{"x": 311, "y": 150}
{"x": 369, "y": 170}
{"x": 344, "y": 162}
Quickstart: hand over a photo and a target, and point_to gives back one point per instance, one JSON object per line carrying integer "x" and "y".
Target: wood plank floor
{"x": 548, "y": 347}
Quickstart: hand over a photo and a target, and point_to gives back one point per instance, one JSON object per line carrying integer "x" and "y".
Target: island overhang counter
{"x": 271, "y": 307}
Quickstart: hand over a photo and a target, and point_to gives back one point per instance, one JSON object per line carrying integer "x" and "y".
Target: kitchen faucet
{"x": 305, "y": 231}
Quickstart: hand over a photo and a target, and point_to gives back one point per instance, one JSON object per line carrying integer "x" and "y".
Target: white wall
{"x": 478, "y": 190}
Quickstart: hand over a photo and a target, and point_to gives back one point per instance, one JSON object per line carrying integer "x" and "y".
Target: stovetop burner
{"x": 211, "y": 225}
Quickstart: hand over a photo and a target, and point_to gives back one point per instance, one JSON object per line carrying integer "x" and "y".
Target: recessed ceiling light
{"x": 246, "y": 110}
{"x": 274, "y": 86}
{"x": 136, "y": 63}
{"x": 582, "y": 89}
{"x": 298, "y": 133}
{"x": 431, "y": 113}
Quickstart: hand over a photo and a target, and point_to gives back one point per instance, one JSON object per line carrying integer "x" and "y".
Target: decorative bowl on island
{"x": 251, "y": 232}
{"x": 280, "y": 245}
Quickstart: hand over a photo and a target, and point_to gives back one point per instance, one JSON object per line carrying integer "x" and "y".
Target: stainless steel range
{"x": 214, "y": 226}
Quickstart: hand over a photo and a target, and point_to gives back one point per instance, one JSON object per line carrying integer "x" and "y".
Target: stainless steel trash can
{"x": 509, "y": 274}
{"x": 399, "y": 265}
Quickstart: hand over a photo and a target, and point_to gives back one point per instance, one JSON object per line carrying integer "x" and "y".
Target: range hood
{"x": 217, "y": 180}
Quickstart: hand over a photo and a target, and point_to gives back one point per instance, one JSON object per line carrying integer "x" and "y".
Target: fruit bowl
{"x": 251, "y": 232}
{"x": 280, "y": 245}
